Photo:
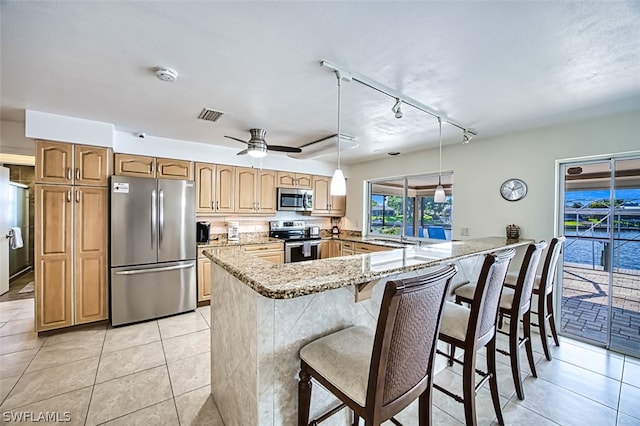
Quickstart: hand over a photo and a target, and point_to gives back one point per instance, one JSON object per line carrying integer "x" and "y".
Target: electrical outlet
{"x": 258, "y": 228}
{"x": 464, "y": 231}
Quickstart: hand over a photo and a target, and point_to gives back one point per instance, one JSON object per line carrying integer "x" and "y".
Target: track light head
{"x": 466, "y": 136}
{"x": 396, "y": 108}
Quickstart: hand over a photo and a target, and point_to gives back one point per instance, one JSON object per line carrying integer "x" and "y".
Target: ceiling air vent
{"x": 210, "y": 114}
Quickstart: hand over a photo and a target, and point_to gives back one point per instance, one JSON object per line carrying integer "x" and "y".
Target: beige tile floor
{"x": 157, "y": 373}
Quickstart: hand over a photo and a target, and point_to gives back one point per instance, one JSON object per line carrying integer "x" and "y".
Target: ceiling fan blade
{"x": 283, "y": 148}
{"x": 243, "y": 152}
{"x": 236, "y": 139}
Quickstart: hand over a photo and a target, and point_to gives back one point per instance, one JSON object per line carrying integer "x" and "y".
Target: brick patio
{"x": 585, "y": 310}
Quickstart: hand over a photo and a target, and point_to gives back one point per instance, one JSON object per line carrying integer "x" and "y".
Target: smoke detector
{"x": 166, "y": 74}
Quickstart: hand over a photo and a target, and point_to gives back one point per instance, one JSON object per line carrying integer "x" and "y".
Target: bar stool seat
{"x": 455, "y": 319}
{"x": 343, "y": 358}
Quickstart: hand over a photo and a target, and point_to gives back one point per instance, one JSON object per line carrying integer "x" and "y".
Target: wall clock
{"x": 513, "y": 189}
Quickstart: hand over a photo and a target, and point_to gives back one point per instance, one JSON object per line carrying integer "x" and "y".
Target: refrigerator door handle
{"x": 161, "y": 227}
{"x": 150, "y": 270}
{"x": 153, "y": 217}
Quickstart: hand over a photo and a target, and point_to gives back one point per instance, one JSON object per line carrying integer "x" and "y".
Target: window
{"x": 404, "y": 207}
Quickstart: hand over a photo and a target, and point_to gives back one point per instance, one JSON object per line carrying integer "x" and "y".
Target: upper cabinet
{"x": 294, "y": 180}
{"x": 174, "y": 169}
{"x": 134, "y": 165}
{"x": 255, "y": 191}
{"x": 68, "y": 164}
{"x": 215, "y": 187}
{"x": 323, "y": 203}
{"x": 151, "y": 167}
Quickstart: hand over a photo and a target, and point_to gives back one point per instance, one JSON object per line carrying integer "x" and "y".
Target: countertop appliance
{"x": 203, "y": 230}
{"x": 298, "y": 200}
{"x": 298, "y": 246}
{"x": 232, "y": 231}
{"x": 153, "y": 248}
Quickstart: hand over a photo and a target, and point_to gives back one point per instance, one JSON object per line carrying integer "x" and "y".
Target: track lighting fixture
{"x": 396, "y": 108}
{"x": 466, "y": 136}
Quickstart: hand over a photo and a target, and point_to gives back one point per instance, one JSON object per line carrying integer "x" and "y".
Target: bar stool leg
{"x": 493, "y": 380}
{"x": 304, "y": 398}
{"x": 526, "y": 325}
{"x": 514, "y": 355}
{"x": 469, "y": 387}
{"x": 542, "y": 325}
{"x": 424, "y": 409}
{"x": 552, "y": 322}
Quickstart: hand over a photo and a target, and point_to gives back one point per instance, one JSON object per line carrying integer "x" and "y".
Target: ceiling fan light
{"x": 338, "y": 183}
{"x": 439, "y": 196}
{"x": 257, "y": 153}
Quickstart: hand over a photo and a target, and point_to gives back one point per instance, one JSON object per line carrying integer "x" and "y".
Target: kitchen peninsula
{"x": 263, "y": 313}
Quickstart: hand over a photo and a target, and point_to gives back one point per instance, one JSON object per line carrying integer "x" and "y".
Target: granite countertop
{"x": 375, "y": 241}
{"x": 289, "y": 280}
{"x": 243, "y": 241}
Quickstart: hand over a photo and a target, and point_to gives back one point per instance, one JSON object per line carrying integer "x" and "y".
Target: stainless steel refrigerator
{"x": 153, "y": 248}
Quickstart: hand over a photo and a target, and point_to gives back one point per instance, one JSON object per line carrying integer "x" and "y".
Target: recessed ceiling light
{"x": 166, "y": 74}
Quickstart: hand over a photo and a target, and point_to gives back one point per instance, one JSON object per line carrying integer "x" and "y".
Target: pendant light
{"x": 338, "y": 183}
{"x": 440, "y": 196}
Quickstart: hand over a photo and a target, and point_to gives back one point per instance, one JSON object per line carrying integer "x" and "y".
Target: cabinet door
{"x": 225, "y": 188}
{"x": 338, "y": 205}
{"x": 204, "y": 279}
{"x": 205, "y": 187}
{"x": 246, "y": 190}
{"x": 286, "y": 180}
{"x": 174, "y": 169}
{"x": 303, "y": 181}
{"x": 90, "y": 254}
{"x": 53, "y": 257}
{"x": 135, "y": 165}
{"x": 54, "y": 162}
{"x": 266, "y": 191}
{"x": 276, "y": 258}
{"x": 92, "y": 165}
{"x": 321, "y": 196}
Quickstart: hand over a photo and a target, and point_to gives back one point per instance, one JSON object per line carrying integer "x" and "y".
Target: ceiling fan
{"x": 257, "y": 145}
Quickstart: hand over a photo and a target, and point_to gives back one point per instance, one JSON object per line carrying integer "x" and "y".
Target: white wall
{"x": 43, "y": 125}
{"x": 13, "y": 141}
{"x": 482, "y": 165}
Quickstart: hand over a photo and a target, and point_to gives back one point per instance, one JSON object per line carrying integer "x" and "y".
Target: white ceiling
{"x": 496, "y": 67}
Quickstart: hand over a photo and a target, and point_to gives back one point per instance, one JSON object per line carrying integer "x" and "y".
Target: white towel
{"x": 306, "y": 248}
{"x": 16, "y": 238}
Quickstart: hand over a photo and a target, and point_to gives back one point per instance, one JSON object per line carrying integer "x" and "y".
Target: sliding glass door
{"x": 601, "y": 269}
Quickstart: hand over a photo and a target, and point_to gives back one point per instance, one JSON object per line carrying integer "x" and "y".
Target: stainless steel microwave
{"x": 298, "y": 200}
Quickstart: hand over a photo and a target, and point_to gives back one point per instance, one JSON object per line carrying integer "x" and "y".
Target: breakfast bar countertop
{"x": 289, "y": 280}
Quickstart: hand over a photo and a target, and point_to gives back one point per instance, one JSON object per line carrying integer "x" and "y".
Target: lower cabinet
{"x": 272, "y": 252}
{"x": 361, "y": 248}
{"x": 204, "y": 279}
{"x": 70, "y": 256}
{"x": 347, "y": 248}
{"x": 330, "y": 248}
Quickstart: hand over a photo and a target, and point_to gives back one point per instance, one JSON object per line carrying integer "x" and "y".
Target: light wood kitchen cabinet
{"x": 330, "y": 248}
{"x": 294, "y": 180}
{"x": 255, "y": 191}
{"x": 90, "y": 254}
{"x": 53, "y": 257}
{"x": 68, "y": 164}
{"x": 361, "y": 248}
{"x": 168, "y": 168}
{"x": 204, "y": 279}
{"x": 272, "y": 252}
{"x": 347, "y": 248}
{"x": 134, "y": 165}
{"x": 324, "y": 204}
{"x": 215, "y": 188}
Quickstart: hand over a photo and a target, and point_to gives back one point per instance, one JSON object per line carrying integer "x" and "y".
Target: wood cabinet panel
{"x": 276, "y": 258}
{"x": 53, "y": 257}
{"x": 246, "y": 187}
{"x": 266, "y": 192}
{"x": 174, "y": 169}
{"x": 225, "y": 188}
{"x": 320, "y": 195}
{"x": 134, "y": 165}
{"x": 205, "y": 175}
{"x": 204, "y": 279}
{"x": 369, "y": 248}
{"x": 303, "y": 181}
{"x": 330, "y": 248}
{"x": 293, "y": 180}
{"x": 92, "y": 165}
{"x": 54, "y": 162}
{"x": 90, "y": 254}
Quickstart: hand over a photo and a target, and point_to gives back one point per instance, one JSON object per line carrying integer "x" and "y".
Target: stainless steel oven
{"x": 298, "y": 251}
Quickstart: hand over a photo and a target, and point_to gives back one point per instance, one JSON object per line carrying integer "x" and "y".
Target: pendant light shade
{"x": 338, "y": 183}
{"x": 440, "y": 196}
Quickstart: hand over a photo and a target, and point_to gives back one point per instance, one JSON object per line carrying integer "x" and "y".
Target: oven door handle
{"x": 294, "y": 245}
